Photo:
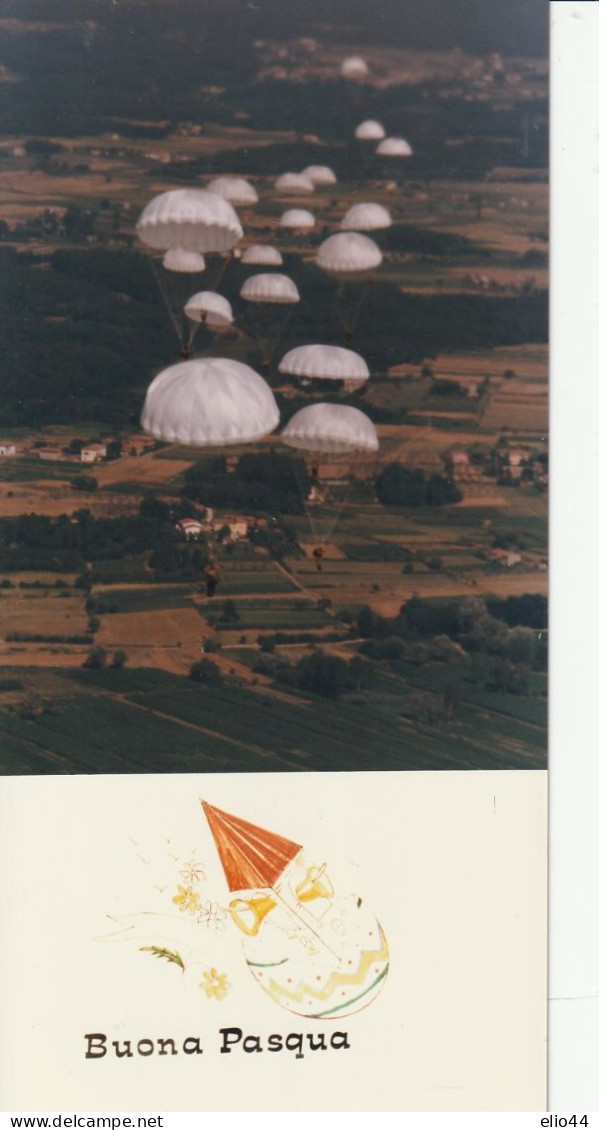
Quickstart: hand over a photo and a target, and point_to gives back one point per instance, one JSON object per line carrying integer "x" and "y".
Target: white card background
{"x": 453, "y": 864}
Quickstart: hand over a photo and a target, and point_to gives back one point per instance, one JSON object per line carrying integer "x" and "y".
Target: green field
{"x": 163, "y": 723}
{"x": 145, "y": 600}
{"x": 275, "y": 614}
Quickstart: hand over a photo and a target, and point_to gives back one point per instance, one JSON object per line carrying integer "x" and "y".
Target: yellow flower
{"x": 215, "y": 984}
{"x": 187, "y": 899}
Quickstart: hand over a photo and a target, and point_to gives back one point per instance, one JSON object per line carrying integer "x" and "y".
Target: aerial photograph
{"x": 273, "y": 440}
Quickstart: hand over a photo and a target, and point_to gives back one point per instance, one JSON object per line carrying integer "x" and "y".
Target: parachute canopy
{"x": 234, "y": 189}
{"x": 330, "y": 428}
{"x": 394, "y": 147}
{"x": 209, "y": 403}
{"x": 297, "y": 218}
{"x": 251, "y": 857}
{"x": 319, "y": 174}
{"x": 366, "y": 217}
{"x": 294, "y": 182}
{"x": 347, "y": 252}
{"x": 270, "y": 288}
{"x": 184, "y": 262}
{"x": 354, "y": 66}
{"x": 262, "y": 255}
{"x": 370, "y": 130}
{"x": 325, "y": 362}
{"x": 210, "y": 308}
{"x": 189, "y": 219}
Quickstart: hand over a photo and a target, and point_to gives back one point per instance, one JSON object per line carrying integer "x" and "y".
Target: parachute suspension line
{"x": 222, "y": 270}
{"x": 194, "y": 329}
{"x": 177, "y": 326}
{"x": 340, "y": 508}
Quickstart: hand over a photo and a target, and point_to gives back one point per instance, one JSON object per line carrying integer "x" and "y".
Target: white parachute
{"x": 354, "y": 67}
{"x": 262, "y": 255}
{"x": 297, "y": 219}
{"x": 184, "y": 262}
{"x": 369, "y": 130}
{"x": 325, "y": 362}
{"x": 394, "y": 147}
{"x": 366, "y": 217}
{"x": 189, "y": 219}
{"x": 331, "y": 429}
{"x": 319, "y": 174}
{"x": 348, "y": 253}
{"x": 209, "y": 309}
{"x": 270, "y": 298}
{"x": 234, "y": 189}
{"x": 278, "y": 289}
{"x": 209, "y": 403}
{"x": 293, "y": 183}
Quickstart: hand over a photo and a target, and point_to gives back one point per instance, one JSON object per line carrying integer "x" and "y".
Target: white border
{"x": 574, "y": 759}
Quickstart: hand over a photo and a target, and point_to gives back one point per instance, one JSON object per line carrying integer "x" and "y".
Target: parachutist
{"x": 185, "y": 354}
{"x": 212, "y": 575}
{"x": 318, "y": 555}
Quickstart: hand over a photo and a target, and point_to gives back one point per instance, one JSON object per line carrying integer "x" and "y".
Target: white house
{"x": 93, "y": 453}
{"x": 190, "y": 527}
{"x": 7, "y": 447}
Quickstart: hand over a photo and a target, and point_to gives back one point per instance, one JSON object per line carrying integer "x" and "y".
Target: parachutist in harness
{"x": 318, "y": 555}
{"x": 212, "y": 575}
{"x": 185, "y": 354}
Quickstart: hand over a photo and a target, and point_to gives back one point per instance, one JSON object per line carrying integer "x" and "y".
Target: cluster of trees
{"x": 317, "y": 673}
{"x": 261, "y": 483}
{"x": 99, "y": 658}
{"x": 89, "y": 329}
{"x": 65, "y": 544}
{"x": 108, "y": 331}
{"x": 504, "y": 650}
{"x": 402, "y": 486}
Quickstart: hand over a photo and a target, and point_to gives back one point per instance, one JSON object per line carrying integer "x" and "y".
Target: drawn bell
{"x": 248, "y": 914}
{"x": 315, "y": 885}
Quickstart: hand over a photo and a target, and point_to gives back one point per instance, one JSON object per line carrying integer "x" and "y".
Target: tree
{"x": 323, "y": 674}
{"x": 400, "y": 486}
{"x": 229, "y": 614}
{"x": 84, "y": 482}
{"x": 369, "y": 624}
{"x": 96, "y": 659}
{"x": 441, "y": 490}
{"x": 205, "y": 671}
{"x": 119, "y": 658}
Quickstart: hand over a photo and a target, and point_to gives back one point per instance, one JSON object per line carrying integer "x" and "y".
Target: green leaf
{"x": 170, "y": 955}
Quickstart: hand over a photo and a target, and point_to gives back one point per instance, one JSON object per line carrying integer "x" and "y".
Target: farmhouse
{"x": 507, "y": 557}
{"x": 458, "y": 460}
{"x": 238, "y": 527}
{"x": 458, "y": 457}
{"x": 138, "y": 444}
{"x": 49, "y": 454}
{"x": 513, "y": 462}
{"x": 7, "y": 447}
{"x": 93, "y": 453}
{"x": 190, "y": 527}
